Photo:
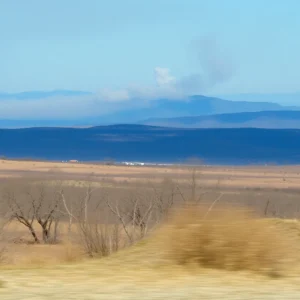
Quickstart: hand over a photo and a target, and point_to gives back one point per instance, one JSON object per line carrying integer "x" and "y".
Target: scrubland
{"x": 148, "y": 233}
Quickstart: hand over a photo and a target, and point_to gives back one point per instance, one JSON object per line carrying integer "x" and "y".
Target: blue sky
{"x": 144, "y": 48}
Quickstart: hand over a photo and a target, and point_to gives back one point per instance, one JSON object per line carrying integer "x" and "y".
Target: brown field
{"x": 237, "y": 256}
{"x": 281, "y": 177}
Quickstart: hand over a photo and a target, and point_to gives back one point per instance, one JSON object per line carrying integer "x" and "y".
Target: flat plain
{"x": 139, "y": 271}
{"x": 285, "y": 177}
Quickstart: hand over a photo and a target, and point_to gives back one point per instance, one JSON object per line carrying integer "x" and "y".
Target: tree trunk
{"x": 36, "y": 240}
{"x": 46, "y": 235}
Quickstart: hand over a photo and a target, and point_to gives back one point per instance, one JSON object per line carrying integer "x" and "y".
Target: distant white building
{"x": 134, "y": 163}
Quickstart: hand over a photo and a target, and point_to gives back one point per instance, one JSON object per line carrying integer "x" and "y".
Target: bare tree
{"x": 197, "y": 191}
{"x": 68, "y": 211}
{"x": 165, "y": 197}
{"x": 23, "y": 215}
{"x": 45, "y": 212}
{"x": 79, "y": 213}
{"x": 36, "y": 207}
{"x": 134, "y": 215}
{"x": 97, "y": 238}
{"x": 3, "y": 222}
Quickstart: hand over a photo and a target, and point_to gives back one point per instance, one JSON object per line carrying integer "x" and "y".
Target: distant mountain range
{"x": 194, "y": 106}
{"x": 286, "y": 98}
{"x": 191, "y": 106}
{"x": 211, "y": 129}
{"x": 261, "y": 119}
{"x": 42, "y": 94}
{"x": 153, "y": 144}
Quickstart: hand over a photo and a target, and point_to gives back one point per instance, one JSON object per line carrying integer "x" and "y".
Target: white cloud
{"x": 166, "y": 87}
{"x": 163, "y": 76}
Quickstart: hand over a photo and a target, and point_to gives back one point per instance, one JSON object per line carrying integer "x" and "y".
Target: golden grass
{"x": 71, "y": 247}
{"x": 228, "y": 238}
{"x": 19, "y": 249}
{"x": 145, "y": 271}
{"x": 2, "y": 284}
{"x": 34, "y": 255}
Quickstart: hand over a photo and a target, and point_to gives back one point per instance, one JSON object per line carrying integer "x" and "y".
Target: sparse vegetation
{"x": 100, "y": 221}
{"x": 163, "y": 222}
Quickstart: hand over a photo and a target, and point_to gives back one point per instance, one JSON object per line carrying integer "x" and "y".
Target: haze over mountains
{"x": 262, "y": 119}
{"x": 195, "y": 111}
{"x": 286, "y": 98}
{"x": 41, "y": 94}
{"x": 208, "y": 128}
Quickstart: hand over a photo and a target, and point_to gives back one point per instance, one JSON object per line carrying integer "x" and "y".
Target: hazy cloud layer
{"x": 214, "y": 68}
{"x": 60, "y": 107}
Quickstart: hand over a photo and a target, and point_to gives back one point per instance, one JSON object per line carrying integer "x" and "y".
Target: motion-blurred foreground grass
{"x": 196, "y": 253}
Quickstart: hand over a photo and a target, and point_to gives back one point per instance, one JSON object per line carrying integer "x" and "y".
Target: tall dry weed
{"x": 228, "y": 238}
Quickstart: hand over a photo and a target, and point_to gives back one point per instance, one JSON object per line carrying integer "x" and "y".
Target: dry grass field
{"x": 133, "y": 232}
{"x": 285, "y": 177}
